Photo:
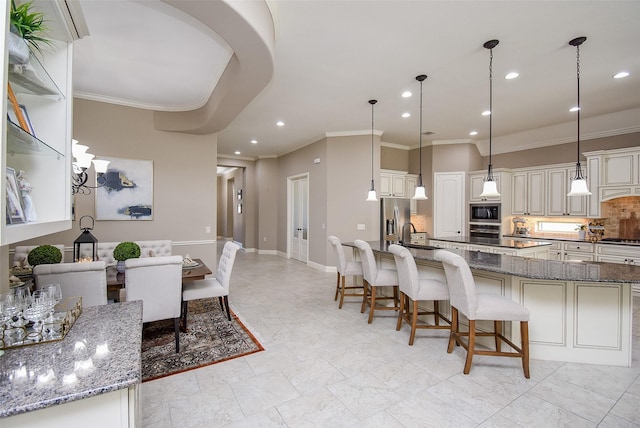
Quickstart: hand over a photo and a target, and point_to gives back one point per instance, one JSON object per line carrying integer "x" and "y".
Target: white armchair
{"x": 157, "y": 281}
{"x": 87, "y": 280}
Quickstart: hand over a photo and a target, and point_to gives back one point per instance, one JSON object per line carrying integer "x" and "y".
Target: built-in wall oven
{"x": 484, "y": 220}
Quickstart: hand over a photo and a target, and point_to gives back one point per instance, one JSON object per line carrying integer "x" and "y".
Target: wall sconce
{"x": 85, "y": 238}
{"x": 81, "y": 162}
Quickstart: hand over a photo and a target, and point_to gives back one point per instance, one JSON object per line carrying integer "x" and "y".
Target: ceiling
{"x": 331, "y": 57}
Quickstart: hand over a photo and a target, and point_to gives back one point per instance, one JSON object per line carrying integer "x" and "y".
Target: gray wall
{"x": 184, "y": 183}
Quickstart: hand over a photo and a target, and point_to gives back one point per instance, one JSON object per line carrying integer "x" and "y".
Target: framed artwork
{"x": 125, "y": 190}
{"x": 15, "y": 212}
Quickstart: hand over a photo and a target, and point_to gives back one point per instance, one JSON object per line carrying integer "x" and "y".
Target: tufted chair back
{"x": 155, "y": 248}
{"x": 87, "y": 280}
{"x": 225, "y": 265}
{"x": 462, "y": 286}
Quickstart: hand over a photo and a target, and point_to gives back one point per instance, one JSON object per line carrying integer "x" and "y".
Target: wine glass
{"x": 41, "y": 303}
{"x": 55, "y": 292}
{"x": 21, "y": 297}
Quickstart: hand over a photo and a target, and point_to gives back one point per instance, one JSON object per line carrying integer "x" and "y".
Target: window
{"x": 557, "y": 227}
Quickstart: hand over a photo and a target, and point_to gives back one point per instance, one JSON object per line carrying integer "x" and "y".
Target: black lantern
{"x": 85, "y": 239}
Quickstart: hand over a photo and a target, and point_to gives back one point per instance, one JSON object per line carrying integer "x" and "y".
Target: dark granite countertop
{"x": 507, "y": 243}
{"x": 565, "y": 239}
{"x": 100, "y": 354}
{"x": 528, "y": 267}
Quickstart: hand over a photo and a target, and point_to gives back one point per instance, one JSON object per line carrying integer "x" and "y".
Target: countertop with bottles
{"x": 100, "y": 354}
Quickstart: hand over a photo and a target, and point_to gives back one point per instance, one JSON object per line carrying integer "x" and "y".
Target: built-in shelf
{"x": 32, "y": 78}
{"x": 20, "y": 141}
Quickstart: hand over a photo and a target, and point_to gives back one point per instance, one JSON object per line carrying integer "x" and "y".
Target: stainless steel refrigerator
{"x": 395, "y": 218}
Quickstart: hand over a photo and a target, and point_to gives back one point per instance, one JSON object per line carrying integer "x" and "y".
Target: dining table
{"x": 115, "y": 279}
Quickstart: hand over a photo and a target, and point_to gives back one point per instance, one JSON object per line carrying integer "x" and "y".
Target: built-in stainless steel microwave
{"x": 484, "y": 213}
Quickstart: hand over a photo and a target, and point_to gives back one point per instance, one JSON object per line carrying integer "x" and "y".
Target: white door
{"x": 448, "y": 205}
{"x": 299, "y": 218}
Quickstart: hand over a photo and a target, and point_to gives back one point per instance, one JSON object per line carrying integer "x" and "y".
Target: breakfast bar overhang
{"x": 580, "y": 311}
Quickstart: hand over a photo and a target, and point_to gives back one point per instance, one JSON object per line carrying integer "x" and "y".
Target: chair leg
{"x": 226, "y": 303}
{"x": 395, "y": 296}
{"x": 471, "y": 346}
{"x": 414, "y": 322}
{"x": 344, "y": 279}
{"x": 436, "y": 313}
{"x": 372, "y": 308}
{"x": 337, "y": 287}
{"x": 401, "y": 313}
{"x": 524, "y": 334}
{"x": 185, "y": 306}
{"x": 176, "y": 327}
{"x": 221, "y": 303}
{"x": 497, "y": 328}
{"x": 454, "y": 329}
{"x": 365, "y": 286}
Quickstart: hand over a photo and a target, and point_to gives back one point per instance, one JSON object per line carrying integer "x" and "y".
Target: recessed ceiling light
{"x": 486, "y": 113}
{"x": 473, "y": 133}
{"x": 406, "y": 94}
{"x": 406, "y": 114}
{"x": 237, "y": 152}
{"x": 576, "y": 108}
{"x": 621, "y": 75}
{"x": 254, "y": 141}
{"x": 280, "y": 123}
{"x": 511, "y": 75}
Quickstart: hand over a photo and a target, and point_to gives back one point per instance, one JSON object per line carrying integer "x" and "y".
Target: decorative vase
{"x": 120, "y": 266}
{"x": 582, "y": 234}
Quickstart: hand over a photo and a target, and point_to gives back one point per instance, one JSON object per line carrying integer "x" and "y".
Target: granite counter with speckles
{"x": 100, "y": 354}
{"x": 529, "y": 267}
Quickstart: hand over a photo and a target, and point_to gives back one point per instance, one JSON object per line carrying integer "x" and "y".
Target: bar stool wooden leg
{"x": 471, "y": 346}
{"x": 337, "y": 287}
{"x": 454, "y": 329}
{"x": 497, "y": 326}
{"x": 373, "y": 304}
{"x": 365, "y": 286}
{"x": 524, "y": 334}
{"x": 401, "y": 313}
{"x": 414, "y": 322}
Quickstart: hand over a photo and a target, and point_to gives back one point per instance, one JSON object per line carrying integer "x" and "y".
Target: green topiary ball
{"x": 44, "y": 254}
{"x": 126, "y": 250}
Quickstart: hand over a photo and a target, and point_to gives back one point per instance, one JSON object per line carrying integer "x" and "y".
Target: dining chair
{"x": 345, "y": 268}
{"x": 157, "y": 281}
{"x": 86, "y": 280}
{"x": 212, "y": 287}
{"x": 414, "y": 289}
{"x": 481, "y": 306}
{"x": 374, "y": 278}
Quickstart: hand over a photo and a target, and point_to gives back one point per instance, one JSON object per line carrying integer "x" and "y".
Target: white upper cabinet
{"x": 559, "y": 184}
{"x": 616, "y": 174}
{"x": 392, "y": 184}
{"x": 41, "y": 203}
{"x": 528, "y": 192}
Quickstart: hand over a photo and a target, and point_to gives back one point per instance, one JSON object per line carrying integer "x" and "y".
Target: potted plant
{"x": 44, "y": 254}
{"x": 29, "y": 26}
{"x": 124, "y": 251}
{"x": 582, "y": 231}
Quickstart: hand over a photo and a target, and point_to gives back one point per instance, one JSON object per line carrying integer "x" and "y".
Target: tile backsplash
{"x": 621, "y": 218}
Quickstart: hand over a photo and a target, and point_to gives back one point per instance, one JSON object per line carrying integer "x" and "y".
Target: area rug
{"x": 210, "y": 339}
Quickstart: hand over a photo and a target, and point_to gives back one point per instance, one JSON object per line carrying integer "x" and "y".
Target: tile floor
{"x": 325, "y": 367}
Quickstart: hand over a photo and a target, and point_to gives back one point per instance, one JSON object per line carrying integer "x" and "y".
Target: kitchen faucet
{"x": 414, "y": 231}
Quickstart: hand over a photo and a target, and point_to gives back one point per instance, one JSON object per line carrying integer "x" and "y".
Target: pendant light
{"x": 490, "y": 188}
{"x": 420, "y": 194}
{"x": 371, "y": 197}
{"x": 579, "y": 183}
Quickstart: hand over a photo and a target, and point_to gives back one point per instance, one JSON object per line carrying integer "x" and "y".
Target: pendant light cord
{"x": 578, "y": 169}
{"x": 372, "y": 102}
{"x": 489, "y": 169}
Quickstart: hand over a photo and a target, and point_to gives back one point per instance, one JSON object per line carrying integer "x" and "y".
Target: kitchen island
{"x": 90, "y": 378}
{"x": 509, "y": 246}
{"x": 580, "y": 311}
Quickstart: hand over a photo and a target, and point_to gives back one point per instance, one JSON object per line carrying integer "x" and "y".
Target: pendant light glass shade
{"x": 490, "y": 187}
{"x": 371, "y": 196}
{"x": 420, "y": 194}
{"x": 579, "y": 183}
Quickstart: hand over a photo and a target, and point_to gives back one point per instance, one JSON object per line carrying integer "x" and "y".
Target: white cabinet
{"x": 392, "y": 184}
{"x": 579, "y": 251}
{"x": 618, "y": 254}
{"x": 617, "y": 173}
{"x": 44, "y": 90}
{"x": 558, "y": 203}
{"x": 620, "y": 169}
{"x": 528, "y": 188}
{"x": 410, "y": 184}
{"x": 419, "y": 238}
{"x": 476, "y": 184}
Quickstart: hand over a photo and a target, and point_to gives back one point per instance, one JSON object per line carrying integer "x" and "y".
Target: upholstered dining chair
{"x": 481, "y": 306}
{"x": 374, "y": 278}
{"x": 212, "y": 287}
{"x": 157, "y": 281}
{"x": 345, "y": 268}
{"x": 86, "y": 280}
{"x": 414, "y": 289}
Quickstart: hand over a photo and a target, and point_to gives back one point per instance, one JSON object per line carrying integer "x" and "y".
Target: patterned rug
{"x": 210, "y": 339}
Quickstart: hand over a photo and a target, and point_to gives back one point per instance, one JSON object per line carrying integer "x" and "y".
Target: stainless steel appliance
{"x": 478, "y": 230}
{"x": 395, "y": 220}
{"x": 484, "y": 213}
